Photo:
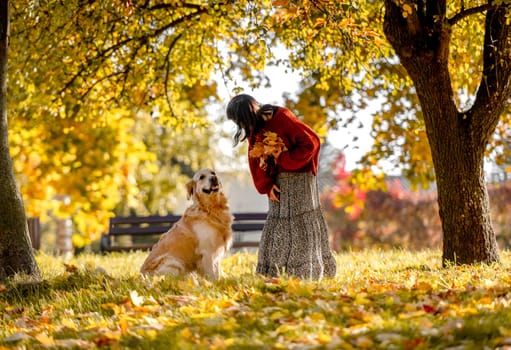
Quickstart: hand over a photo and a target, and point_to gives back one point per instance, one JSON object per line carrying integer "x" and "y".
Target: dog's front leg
{"x": 210, "y": 267}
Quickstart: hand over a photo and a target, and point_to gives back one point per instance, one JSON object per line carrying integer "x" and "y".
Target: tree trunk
{"x": 464, "y": 207}
{"x": 16, "y": 254}
{"x": 457, "y": 139}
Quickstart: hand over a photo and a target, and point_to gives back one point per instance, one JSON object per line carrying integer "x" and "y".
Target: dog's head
{"x": 204, "y": 182}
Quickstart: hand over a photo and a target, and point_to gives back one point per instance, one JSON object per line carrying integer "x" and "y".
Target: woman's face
{"x": 255, "y": 106}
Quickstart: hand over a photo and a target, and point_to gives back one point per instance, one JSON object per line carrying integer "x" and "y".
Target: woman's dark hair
{"x": 241, "y": 110}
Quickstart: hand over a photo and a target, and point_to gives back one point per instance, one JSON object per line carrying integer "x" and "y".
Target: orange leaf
{"x": 280, "y": 2}
{"x": 319, "y": 22}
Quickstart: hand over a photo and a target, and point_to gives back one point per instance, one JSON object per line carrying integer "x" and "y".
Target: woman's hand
{"x": 276, "y": 153}
{"x": 275, "y": 193}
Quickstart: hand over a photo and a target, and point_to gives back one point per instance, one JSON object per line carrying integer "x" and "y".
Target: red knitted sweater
{"x": 302, "y": 155}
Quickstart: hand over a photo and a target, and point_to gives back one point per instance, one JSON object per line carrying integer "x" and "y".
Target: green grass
{"x": 378, "y": 300}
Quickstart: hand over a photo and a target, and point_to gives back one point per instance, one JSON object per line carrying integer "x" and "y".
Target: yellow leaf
{"x": 277, "y": 315}
{"x": 317, "y": 316}
{"x": 136, "y": 299}
{"x": 324, "y": 338}
{"x": 45, "y": 339}
{"x": 410, "y": 307}
{"x": 297, "y": 287}
{"x": 204, "y": 315}
{"x": 286, "y": 328}
{"x": 123, "y": 325}
{"x": 485, "y": 300}
{"x": 186, "y": 333}
{"x": 361, "y": 299}
{"x": 424, "y": 286}
{"x": 69, "y": 324}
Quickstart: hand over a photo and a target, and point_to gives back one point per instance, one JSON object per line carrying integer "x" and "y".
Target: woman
{"x": 283, "y": 159}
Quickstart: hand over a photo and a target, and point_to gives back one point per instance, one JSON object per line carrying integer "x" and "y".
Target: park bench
{"x": 127, "y": 233}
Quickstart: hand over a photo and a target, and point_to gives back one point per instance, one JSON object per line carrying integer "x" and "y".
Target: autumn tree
{"x": 420, "y": 32}
{"x": 15, "y": 247}
{"x": 460, "y": 80}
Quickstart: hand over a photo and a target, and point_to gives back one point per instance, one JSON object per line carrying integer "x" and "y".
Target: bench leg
{"x": 104, "y": 242}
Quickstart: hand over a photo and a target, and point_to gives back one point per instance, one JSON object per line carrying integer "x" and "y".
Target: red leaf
{"x": 429, "y": 309}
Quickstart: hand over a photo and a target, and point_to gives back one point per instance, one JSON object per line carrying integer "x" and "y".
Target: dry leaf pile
{"x": 271, "y": 146}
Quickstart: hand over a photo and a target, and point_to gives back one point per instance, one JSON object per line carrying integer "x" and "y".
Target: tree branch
{"x": 468, "y": 12}
{"x": 167, "y": 72}
{"x": 101, "y": 56}
{"x": 495, "y": 87}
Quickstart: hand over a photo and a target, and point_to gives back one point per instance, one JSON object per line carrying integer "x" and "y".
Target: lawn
{"x": 378, "y": 300}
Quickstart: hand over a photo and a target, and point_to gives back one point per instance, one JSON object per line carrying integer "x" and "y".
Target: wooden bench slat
{"x": 250, "y": 216}
{"x": 154, "y": 219}
{"x": 241, "y": 244}
{"x": 138, "y": 231}
{"x": 251, "y": 226}
{"x": 120, "y": 248}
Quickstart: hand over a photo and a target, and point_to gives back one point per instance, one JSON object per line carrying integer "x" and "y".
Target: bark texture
{"x": 457, "y": 139}
{"x": 16, "y": 254}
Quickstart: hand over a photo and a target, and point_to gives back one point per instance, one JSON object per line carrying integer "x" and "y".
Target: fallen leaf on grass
{"x": 107, "y": 338}
{"x": 323, "y": 338}
{"x": 45, "y": 339}
{"x": 70, "y": 268}
{"x": 299, "y": 288}
{"x": 136, "y": 299}
{"x": 67, "y": 323}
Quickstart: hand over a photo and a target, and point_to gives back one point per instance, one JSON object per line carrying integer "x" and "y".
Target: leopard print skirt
{"x": 294, "y": 240}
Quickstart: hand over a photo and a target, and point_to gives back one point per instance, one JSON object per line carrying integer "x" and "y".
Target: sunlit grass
{"x": 378, "y": 300}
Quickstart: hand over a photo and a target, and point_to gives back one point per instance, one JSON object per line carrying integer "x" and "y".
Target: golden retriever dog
{"x": 199, "y": 240}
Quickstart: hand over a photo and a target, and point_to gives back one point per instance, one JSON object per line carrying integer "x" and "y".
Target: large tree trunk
{"x": 15, "y": 249}
{"x": 457, "y": 139}
{"x": 463, "y": 200}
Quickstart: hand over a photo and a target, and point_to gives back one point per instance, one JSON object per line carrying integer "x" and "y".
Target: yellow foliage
{"x": 80, "y": 162}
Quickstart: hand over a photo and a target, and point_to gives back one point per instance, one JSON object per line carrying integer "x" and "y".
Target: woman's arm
{"x": 303, "y": 146}
{"x": 262, "y": 181}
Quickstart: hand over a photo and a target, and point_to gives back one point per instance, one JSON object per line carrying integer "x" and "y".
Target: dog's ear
{"x": 189, "y": 189}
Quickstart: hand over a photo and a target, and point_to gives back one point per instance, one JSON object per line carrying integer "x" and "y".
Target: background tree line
{"x": 399, "y": 216}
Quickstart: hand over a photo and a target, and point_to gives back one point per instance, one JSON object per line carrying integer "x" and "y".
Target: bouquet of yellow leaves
{"x": 267, "y": 149}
